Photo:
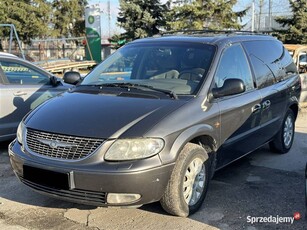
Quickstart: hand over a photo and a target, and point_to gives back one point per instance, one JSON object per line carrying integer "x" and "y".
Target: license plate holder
{"x": 52, "y": 179}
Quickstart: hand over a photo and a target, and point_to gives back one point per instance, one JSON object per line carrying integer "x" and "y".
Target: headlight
{"x": 20, "y": 131}
{"x": 131, "y": 149}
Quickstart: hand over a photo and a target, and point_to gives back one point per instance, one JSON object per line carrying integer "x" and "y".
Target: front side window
{"x": 234, "y": 64}
{"x": 20, "y": 74}
{"x": 172, "y": 66}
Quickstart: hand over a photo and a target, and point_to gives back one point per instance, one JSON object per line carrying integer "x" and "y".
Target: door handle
{"x": 266, "y": 104}
{"x": 19, "y": 93}
{"x": 256, "y": 108}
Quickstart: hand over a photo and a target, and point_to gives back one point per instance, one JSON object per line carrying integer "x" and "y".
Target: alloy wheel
{"x": 288, "y": 131}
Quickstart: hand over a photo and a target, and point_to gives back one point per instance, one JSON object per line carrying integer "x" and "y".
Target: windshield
{"x": 176, "y": 67}
{"x": 303, "y": 58}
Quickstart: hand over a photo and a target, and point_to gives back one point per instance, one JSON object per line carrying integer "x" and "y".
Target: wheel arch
{"x": 204, "y": 135}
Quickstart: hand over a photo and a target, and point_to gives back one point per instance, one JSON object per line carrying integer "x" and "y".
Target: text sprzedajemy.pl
{"x": 270, "y": 219}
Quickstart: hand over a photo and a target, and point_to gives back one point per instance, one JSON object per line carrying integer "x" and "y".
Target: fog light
{"x": 120, "y": 198}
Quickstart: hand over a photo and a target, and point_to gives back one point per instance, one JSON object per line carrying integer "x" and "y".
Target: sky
{"x": 279, "y": 7}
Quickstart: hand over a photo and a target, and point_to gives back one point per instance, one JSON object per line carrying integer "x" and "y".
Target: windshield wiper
{"x": 140, "y": 86}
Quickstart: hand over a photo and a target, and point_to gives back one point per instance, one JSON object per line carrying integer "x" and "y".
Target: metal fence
{"x": 47, "y": 49}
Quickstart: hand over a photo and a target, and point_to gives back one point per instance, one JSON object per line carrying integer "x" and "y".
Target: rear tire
{"x": 188, "y": 185}
{"x": 283, "y": 140}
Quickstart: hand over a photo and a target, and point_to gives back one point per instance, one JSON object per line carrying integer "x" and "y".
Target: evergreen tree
{"x": 44, "y": 18}
{"x": 68, "y": 17}
{"x": 30, "y": 17}
{"x": 297, "y": 24}
{"x": 200, "y": 14}
{"x": 141, "y": 18}
{"x": 118, "y": 40}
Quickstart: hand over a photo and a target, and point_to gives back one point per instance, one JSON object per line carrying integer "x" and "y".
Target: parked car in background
{"x": 299, "y": 55}
{"x": 156, "y": 119}
{"x": 23, "y": 86}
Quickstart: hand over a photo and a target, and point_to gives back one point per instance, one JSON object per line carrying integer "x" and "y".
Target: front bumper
{"x": 87, "y": 185}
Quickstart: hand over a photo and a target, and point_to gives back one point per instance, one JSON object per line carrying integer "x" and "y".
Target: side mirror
{"x": 231, "y": 86}
{"x": 72, "y": 77}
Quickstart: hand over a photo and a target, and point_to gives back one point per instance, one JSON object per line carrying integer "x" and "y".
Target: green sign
{"x": 93, "y": 34}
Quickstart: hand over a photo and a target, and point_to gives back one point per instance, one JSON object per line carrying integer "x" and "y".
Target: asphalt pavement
{"x": 263, "y": 190}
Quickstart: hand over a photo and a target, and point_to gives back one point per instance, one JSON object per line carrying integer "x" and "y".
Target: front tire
{"x": 188, "y": 185}
{"x": 284, "y": 138}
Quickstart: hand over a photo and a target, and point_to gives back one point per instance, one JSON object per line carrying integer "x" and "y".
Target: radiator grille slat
{"x": 75, "y": 148}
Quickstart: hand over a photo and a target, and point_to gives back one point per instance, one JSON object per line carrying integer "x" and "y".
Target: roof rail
{"x": 207, "y": 31}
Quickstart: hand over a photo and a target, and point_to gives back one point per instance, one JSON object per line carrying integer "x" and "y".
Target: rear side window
{"x": 270, "y": 60}
{"x": 20, "y": 74}
{"x": 269, "y": 51}
{"x": 234, "y": 64}
{"x": 287, "y": 65}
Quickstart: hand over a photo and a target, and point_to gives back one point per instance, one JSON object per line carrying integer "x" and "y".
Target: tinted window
{"x": 233, "y": 64}
{"x": 264, "y": 76}
{"x": 268, "y": 51}
{"x": 287, "y": 65}
{"x": 274, "y": 56}
{"x": 20, "y": 74}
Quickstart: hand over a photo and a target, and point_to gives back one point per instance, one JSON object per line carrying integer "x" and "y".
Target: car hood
{"x": 100, "y": 116}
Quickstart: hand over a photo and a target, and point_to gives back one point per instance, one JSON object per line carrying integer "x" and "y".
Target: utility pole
{"x": 109, "y": 18}
{"x": 260, "y": 14}
{"x": 270, "y": 15}
{"x": 253, "y": 16}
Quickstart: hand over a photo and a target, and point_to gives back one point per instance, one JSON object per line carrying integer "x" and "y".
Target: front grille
{"x": 77, "y": 195}
{"x": 61, "y": 146}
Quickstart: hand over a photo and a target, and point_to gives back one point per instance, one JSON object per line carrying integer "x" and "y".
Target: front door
{"x": 239, "y": 114}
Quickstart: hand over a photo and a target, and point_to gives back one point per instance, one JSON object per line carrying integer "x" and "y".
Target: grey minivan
{"x": 155, "y": 120}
